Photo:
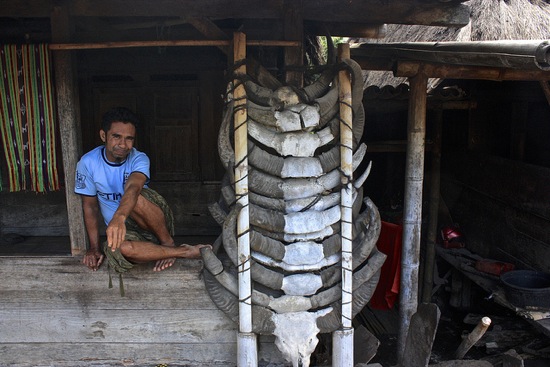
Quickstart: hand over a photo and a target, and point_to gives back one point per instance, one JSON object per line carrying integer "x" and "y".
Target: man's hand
{"x": 93, "y": 259}
{"x": 116, "y": 232}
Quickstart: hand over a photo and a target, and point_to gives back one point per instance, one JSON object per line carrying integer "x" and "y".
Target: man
{"x": 112, "y": 179}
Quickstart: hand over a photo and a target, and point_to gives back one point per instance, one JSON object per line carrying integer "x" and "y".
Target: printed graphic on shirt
{"x": 80, "y": 181}
{"x": 113, "y": 196}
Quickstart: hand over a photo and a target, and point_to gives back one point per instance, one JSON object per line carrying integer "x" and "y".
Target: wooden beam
{"x": 210, "y": 30}
{"x": 433, "y": 207}
{"x": 379, "y": 105}
{"x": 358, "y": 30}
{"x": 293, "y": 28}
{"x": 69, "y": 127}
{"x": 521, "y": 55}
{"x": 175, "y": 43}
{"x": 411, "y": 68}
{"x": 432, "y": 12}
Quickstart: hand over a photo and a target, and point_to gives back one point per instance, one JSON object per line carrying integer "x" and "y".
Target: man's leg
{"x": 149, "y": 216}
{"x": 142, "y": 252}
{"x": 152, "y": 214}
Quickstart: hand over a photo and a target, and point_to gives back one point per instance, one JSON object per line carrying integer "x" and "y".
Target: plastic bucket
{"x": 527, "y": 288}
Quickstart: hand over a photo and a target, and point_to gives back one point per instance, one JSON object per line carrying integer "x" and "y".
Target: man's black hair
{"x": 118, "y": 114}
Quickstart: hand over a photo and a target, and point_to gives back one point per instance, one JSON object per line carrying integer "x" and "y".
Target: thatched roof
{"x": 490, "y": 20}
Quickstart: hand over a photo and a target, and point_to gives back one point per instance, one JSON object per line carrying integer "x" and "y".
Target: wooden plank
{"x": 210, "y": 30}
{"x": 71, "y": 145}
{"x": 166, "y": 43}
{"x": 421, "y": 336}
{"x": 495, "y": 233}
{"x": 105, "y": 354}
{"x": 62, "y": 282}
{"x": 368, "y": 12}
{"x": 211, "y": 87}
{"x": 464, "y": 71}
{"x": 529, "y": 193}
{"x": 70, "y": 325}
{"x": 293, "y": 28}
{"x": 28, "y": 214}
{"x": 516, "y": 214}
{"x": 137, "y": 354}
{"x": 492, "y": 286}
{"x": 56, "y": 312}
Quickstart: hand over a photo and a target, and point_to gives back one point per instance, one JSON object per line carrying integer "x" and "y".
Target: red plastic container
{"x": 493, "y": 267}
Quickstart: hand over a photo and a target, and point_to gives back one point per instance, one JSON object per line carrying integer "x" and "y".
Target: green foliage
{"x": 324, "y": 45}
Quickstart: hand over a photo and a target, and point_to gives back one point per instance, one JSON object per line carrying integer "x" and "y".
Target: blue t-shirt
{"x": 96, "y": 176}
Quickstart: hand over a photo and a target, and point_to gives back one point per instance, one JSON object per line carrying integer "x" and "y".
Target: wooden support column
{"x": 293, "y": 31}
{"x": 342, "y": 355}
{"x": 412, "y": 211}
{"x": 435, "y": 180}
{"x": 246, "y": 340}
{"x": 69, "y": 126}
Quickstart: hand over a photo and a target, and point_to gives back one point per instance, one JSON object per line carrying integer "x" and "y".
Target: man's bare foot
{"x": 164, "y": 264}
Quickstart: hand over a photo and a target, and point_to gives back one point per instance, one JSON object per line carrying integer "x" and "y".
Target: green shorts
{"x": 134, "y": 232}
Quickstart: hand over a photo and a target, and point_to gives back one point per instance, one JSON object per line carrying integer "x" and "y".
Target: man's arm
{"x": 94, "y": 256}
{"x": 116, "y": 230}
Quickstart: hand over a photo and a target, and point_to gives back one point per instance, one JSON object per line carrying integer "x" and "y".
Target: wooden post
{"x": 412, "y": 211}
{"x": 246, "y": 340}
{"x": 69, "y": 127}
{"x": 343, "y": 338}
{"x": 431, "y": 236}
{"x": 293, "y": 31}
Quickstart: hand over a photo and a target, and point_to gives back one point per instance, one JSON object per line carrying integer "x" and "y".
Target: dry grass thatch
{"x": 490, "y": 20}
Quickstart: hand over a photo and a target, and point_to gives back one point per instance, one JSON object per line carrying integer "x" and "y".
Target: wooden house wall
{"x": 495, "y": 164}
{"x": 185, "y": 164}
{"x": 56, "y": 312}
{"x": 496, "y": 174}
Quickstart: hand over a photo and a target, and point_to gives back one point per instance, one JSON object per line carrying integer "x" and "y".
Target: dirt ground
{"x": 508, "y": 331}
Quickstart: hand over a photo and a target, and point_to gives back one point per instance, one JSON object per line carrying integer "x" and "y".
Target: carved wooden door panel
{"x": 174, "y": 134}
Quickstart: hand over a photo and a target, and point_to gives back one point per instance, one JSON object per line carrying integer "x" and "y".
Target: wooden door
{"x": 169, "y": 126}
{"x": 174, "y": 134}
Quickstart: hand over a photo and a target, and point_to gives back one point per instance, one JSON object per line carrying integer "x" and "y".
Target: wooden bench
{"x": 55, "y": 311}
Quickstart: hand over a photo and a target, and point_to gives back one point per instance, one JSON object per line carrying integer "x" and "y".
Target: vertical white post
{"x": 412, "y": 210}
{"x": 343, "y": 339}
{"x": 247, "y": 355}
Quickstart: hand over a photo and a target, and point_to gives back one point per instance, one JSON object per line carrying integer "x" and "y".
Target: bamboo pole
{"x": 412, "y": 211}
{"x": 246, "y": 340}
{"x": 167, "y": 43}
{"x": 343, "y": 338}
{"x": 431, "y": 237}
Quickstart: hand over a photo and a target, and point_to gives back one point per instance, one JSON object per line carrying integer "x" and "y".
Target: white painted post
{"x": 412, "y": 210}
{"x": 342, "y": 353}
{"x": 247, "y": 355}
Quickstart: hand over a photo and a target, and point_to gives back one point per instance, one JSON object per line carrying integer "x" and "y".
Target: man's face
{"x": 119, "y": 140}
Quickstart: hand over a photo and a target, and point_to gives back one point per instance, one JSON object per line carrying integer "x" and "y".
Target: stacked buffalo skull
{"x": 294, "y": 194}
